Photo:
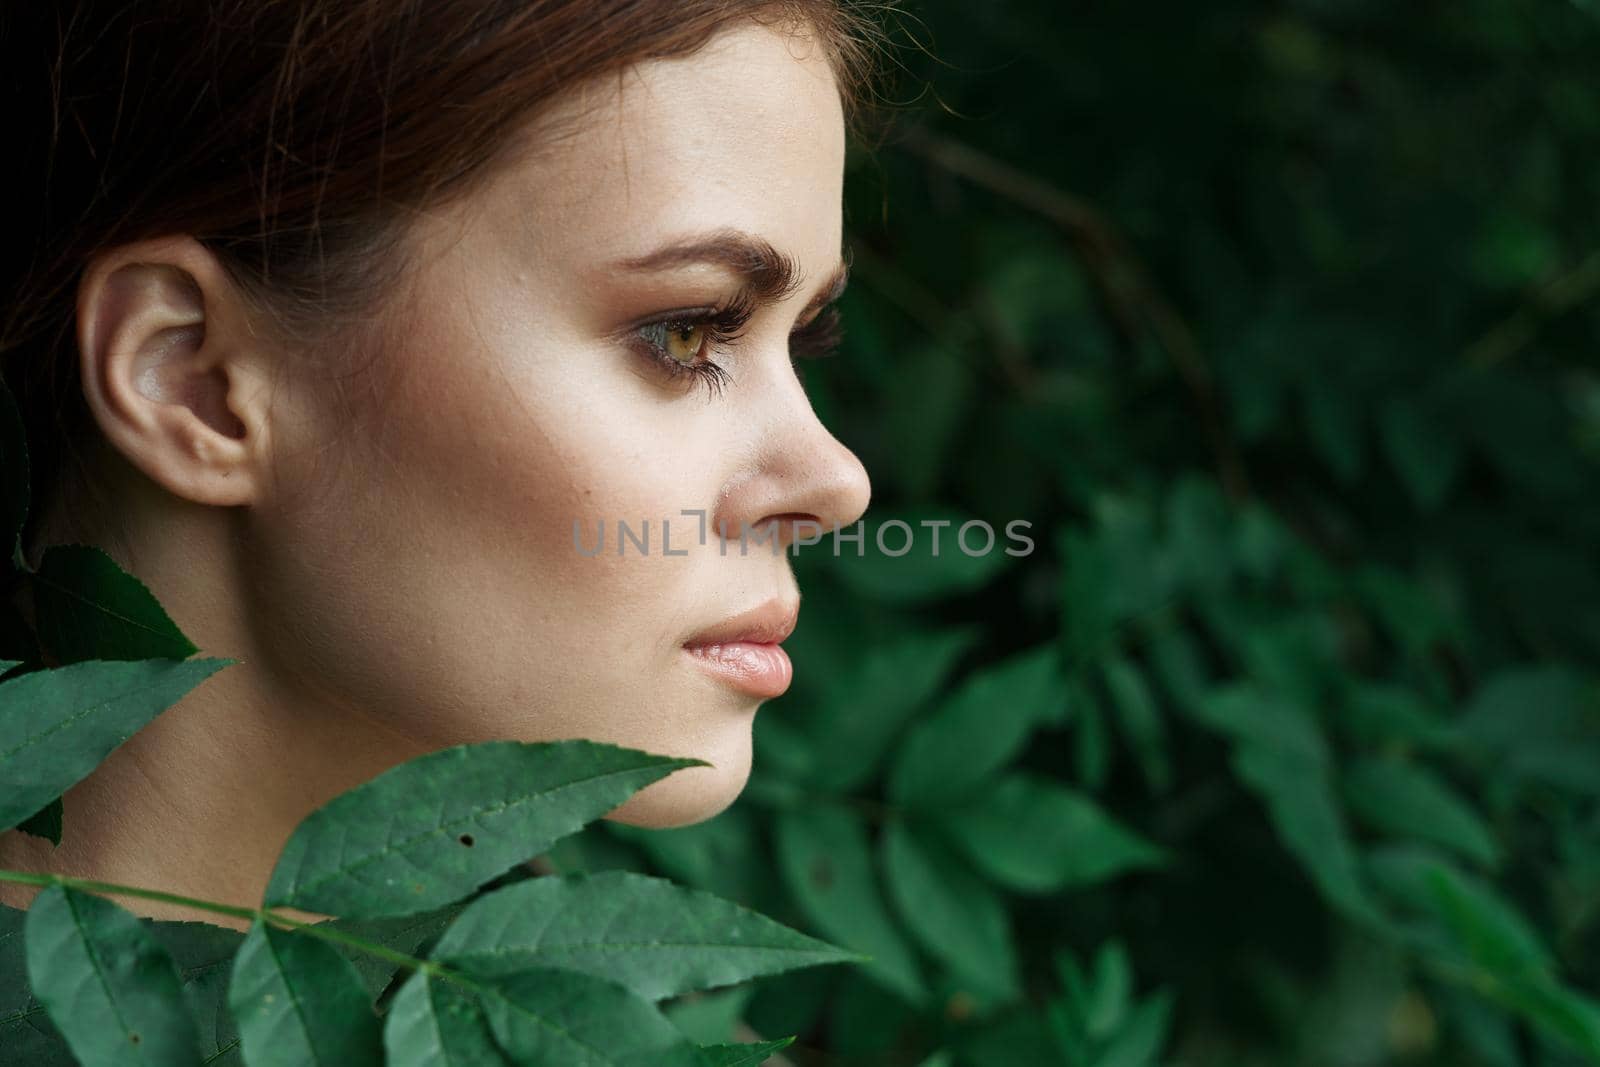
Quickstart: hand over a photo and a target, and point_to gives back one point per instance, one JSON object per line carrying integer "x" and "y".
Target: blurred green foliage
{"x": 1279, "y": 322}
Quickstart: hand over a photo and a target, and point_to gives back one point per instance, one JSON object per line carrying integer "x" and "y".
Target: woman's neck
{"x": 202, "y": 800}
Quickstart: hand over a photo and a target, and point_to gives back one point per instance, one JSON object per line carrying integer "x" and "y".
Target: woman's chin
{"x": 685, "y": 797}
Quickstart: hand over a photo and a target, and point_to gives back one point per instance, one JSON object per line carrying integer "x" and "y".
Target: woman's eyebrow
{"x": 768, "y": 275}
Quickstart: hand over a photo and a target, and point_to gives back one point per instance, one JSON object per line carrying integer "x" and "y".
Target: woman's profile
{"x": 383, "y": 340}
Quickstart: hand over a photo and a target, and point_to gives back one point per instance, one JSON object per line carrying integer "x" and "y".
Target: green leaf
{"x": 90, "y": 608}
{"x": 298, "y": 1002}
{"x": 721, "y": 854}
{"x": 1336, "y": 429}
{"x": 1479, "y": 923}
{"x": 26, "y": 1034}
{"x": 434, "y": 1022}
{"x": 978, "y": 729}
{"x": 1091, "y": 753}
{"x": 955, "y": 915}
{"x": 1179, "y": 667}
{"x": 204, "y": 957}
{"x": 1282, "y": 755}
{"x": 568, "y": 1018}
{"x": 1139, "y": 1043}
{"x": 1404, "y": 798}
{"x": 751, "y": 1055}
{"x": 15, "y": 474}
{"x": 108, "y": 985}
{"x": 1305, "y": 812}
{"x": 1036, "y": 836}
{"x": 57, "y": 725}
{"x": 407, "y": 934}
{"x": 45, "y": 823}
{"x": 1140, "y": 719}
{"x": 1277, "y": 725}
{"x": 1110, "y": 995}
{"x": 430, "y": 831}
{"x": 826, "y": 861}
{"x": 864, "y": 710}
{"x": 1379, "y": 714}
{"x": 1563, "y": 1013}
{"x": 1539, "y": 724}
{"x": 656, "y": 938}
{"x": 1424, "y": 454}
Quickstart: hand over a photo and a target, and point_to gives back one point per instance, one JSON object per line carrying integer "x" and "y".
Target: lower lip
{"x": 760, "y": 670}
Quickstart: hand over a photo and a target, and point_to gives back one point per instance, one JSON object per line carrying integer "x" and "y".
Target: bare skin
{"x": 416, "y": 584}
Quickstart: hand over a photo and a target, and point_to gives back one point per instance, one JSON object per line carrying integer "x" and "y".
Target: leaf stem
{"x": 320, "y": 929}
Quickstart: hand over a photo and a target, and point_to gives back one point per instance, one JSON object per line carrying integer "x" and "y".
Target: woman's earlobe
{"x": 168, "y": 374}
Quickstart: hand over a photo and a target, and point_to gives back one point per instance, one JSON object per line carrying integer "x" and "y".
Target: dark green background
{"x": 1279, "y": 323}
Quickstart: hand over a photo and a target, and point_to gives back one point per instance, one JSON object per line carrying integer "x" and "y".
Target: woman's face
{"x": 433, "y": 582}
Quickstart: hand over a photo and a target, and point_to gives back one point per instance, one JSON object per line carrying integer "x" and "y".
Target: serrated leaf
{"x": 57, "y": 725}
{"x": 955, "y": 915}
{"x": 89, "y": 608}
{"x": 1036, "y": 836}
{"x": 979, "y": 728}
{"x": 298, "y": 1002}
{"x": 435, "y": 828}
{"x": 407, "y": 934}
{"x": 109, "y": 986}
{"x": 720, "y": 855}
{"x": 433, "y": 1022}
{"x": 1404, "y": 798}
{"x": 577, "y": 1020}
{"x": 655, "y": 938}
{"x": 750, "y": 1055}
{"x": 826, "y": 862}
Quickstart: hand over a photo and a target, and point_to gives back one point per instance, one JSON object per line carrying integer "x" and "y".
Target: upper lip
{"x": 766, "y": 624}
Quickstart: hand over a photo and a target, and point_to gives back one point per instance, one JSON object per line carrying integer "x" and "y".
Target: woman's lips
{"x": 762, "y": 670}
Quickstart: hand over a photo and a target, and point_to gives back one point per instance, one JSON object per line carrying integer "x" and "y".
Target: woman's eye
{"x": 684, "y": 341}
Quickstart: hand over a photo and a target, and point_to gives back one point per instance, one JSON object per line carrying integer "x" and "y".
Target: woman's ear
{"x": 171, "y": 370}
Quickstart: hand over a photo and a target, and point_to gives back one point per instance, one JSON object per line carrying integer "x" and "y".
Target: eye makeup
{"x": 680, "y": 341}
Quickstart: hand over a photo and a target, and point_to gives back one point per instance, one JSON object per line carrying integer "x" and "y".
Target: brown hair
{"x": 292, "y": 138}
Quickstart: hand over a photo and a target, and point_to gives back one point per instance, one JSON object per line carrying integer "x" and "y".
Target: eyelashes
{"x": 680, "y": 342}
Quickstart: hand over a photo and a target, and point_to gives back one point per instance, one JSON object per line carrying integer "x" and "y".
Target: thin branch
{"x": 1512, "y": 334}
{"x": 1113, "y": 265}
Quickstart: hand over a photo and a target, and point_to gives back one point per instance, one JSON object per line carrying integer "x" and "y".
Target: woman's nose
{"x": 803, "y": 483}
